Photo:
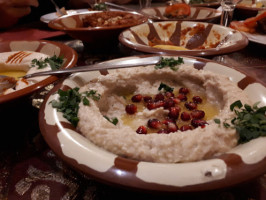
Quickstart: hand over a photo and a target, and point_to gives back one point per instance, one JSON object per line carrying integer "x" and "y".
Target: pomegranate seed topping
{"x": 169, "y": 94}
{"x": 142, "y": 130}
{"x": 155, "y": 105}
{"x": 197, "y": 99}
{"x": 184, "y": 90}
{"x": 182, "y": 97}
{"x": 168, "y": 103}
{"x": 162, "y": 131}
{"x": 131, "y": 109}
{"x": 147, "y": 99}
{"x": 185, "y": 128}
{"x": 190, "y": 105}
{"x": 136, "y": 98}
{"x": 154, "y": 123}
{"x": 174, "y": 112}
{"x": 197, "y": 114}
{"x": 198, "y": 122}
{"x": 159, "y": 97}
{"x": 168, "y": 120}
{"x": 172, "y": 127}
{"x": 185, "y": 116}
{"x": 176, "y": 100}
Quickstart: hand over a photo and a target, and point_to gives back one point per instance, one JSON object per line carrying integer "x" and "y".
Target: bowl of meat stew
{"x": 97, "y": 27}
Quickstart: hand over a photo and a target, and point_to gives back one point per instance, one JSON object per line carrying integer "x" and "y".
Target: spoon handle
{"x": 115, "y": 64}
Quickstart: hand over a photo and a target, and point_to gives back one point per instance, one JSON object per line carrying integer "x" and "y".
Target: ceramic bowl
{"x": 240, "y": 164}
{"x": 42, "y": 46}
{"x": 74, "y": 26}
{"x": 199, "y": 38}
{"x": 197, "y": 14}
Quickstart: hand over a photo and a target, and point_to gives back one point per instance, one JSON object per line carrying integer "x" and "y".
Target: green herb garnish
{"x": 99, "y": 6}
{"x": 165, "y": 87}
{"x": 68, "y": 103}
{"x": 250, "y": 121}
{"x": 113, "y": 120}
{"x": 54, "y": 61}
{"x": 170, "y": 62}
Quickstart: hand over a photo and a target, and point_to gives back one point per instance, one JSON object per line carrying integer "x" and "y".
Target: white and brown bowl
{"x": 210, "y": 39}
{"x": 242, "y": 163}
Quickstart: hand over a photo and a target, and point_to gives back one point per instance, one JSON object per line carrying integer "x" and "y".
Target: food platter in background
{"x": 42, "y": 46}
{"x": 251, "y": 5}
{"x": 197, "y": 14}
{"x": 93, "y": 28}
{"x": 207, "y": 39}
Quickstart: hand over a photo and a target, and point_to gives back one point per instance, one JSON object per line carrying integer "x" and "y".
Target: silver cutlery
{"x": 132, "y": 62}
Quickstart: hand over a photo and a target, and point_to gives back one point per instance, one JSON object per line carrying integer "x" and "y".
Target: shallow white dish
{"x": 225, "y": 170}
{"x": 51, "y": 16}
{"x": 255, "y": 37}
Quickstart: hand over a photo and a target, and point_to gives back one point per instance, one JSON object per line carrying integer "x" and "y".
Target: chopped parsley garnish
{"x": 99, "y": 6}
{"x": 165, "y": 87}
{"x": 170, "y": 62}
{"x": 54, "y": 61}
{"x": 113, "y": 120}
{"x": 68, "y": 103}
{"x": 250, "y": 121}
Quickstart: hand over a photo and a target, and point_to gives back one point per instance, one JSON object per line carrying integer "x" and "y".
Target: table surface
{"x": 30, "y": 170}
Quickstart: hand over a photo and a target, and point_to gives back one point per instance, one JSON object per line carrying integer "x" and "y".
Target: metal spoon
{"x": 6, "y": 82}
{"x": 131, "y": 62}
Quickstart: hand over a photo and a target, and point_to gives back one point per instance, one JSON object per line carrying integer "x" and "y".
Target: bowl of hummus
{"x": 18, "y": 58}
{"x": 172, "y": 125}
{"x": 183, "y": 38}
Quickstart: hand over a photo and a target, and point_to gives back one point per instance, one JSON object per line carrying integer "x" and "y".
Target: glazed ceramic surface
{"x": 255, "y": 37}
{"x": 42, "y": 46}
{"x": 197, "y": 14}
{"x": 139, "y": 38}
{"x": 240, "y": 164}
{"x": 73, "y": 25}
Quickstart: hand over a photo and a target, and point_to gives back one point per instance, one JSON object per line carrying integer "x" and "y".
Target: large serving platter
{"x": 139, "y": 37}
{"x": 252, "y": 5}
{"x": 240, "y": 164}
{"x": 46, "y": 47}
{"x": 197, "y": 14}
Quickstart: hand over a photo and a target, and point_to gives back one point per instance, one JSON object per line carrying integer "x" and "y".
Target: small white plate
{"x": 48, "y": 17}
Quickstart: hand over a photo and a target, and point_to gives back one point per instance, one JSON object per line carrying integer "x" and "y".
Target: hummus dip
{"x": 122, "y": 139}
{"x": 19, "y": 63}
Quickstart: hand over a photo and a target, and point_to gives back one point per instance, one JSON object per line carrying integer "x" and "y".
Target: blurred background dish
{"x": 183, "y": 38}
{"x": 79, "y": 152}
{"x": 196, "y": 14}
{"x": 252, "y": 5}
{"x": 46, "y": 47}
{"x": 98, "y": 28}
{"x": 51, "y": 16}
{"x": 201, "y": 3}
{"x": 249, "y": 8}
{"x": 256, "y": 37}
